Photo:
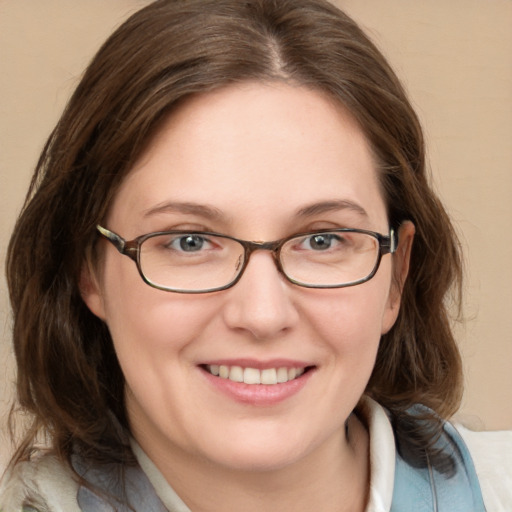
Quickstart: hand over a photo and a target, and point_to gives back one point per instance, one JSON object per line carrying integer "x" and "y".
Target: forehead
{"x": 255, "y": 149}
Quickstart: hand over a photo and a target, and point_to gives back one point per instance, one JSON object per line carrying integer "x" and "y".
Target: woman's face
{"x": 258, "y": 162}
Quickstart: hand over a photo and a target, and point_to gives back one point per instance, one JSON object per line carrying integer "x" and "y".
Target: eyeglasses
{"x": 202, "y": 262}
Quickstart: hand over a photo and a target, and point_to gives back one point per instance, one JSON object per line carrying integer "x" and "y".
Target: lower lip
{"x": 258, "y": 394}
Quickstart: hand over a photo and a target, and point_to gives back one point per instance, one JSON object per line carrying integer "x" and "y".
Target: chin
{"x": 261, "y": 461}
{"x": 260, "y": 451}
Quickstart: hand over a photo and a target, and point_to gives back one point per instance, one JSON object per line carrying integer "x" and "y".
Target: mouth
{"x": 251, "y": 376}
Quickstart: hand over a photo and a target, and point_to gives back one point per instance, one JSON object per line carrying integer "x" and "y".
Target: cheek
{"x": 346, "y": 325}
{"x": 155, "y": 323}
{"x": 146, "y": 323}
{"x": 350, "y": 320}
{"x": 154, "y": 337}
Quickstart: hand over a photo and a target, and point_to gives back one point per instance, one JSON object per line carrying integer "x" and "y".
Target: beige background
{"x": 456, "y": 60}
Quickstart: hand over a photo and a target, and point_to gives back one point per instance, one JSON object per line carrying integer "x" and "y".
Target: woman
{"x": 228, "y": 280}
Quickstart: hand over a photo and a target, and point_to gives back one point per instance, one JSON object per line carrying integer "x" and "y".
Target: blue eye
{"x": 321, "y": 241}
{"x": 188, "y": 243}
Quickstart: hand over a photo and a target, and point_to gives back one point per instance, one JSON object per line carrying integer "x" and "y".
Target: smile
{"x": 268, "y": 376}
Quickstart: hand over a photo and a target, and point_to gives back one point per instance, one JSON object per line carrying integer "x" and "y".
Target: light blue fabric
{"x": 427, "y": 490}
{"x": 137, "y": 489}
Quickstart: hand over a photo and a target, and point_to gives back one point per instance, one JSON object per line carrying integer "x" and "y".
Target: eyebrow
{"x": 213, "y": 213}
{"x": 329, "y": 206}
{"x": 201, "y": 210}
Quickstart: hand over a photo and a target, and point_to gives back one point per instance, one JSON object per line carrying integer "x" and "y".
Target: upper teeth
{"x": 255, "y": 376}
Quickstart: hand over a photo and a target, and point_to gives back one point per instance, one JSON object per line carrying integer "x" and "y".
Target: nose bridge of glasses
{"x": 273, "y": 247}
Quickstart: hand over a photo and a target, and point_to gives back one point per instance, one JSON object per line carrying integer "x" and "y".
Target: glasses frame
{"x": 131, "y": 248}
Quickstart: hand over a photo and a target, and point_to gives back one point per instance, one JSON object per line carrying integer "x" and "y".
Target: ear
{"x": 401, "y": 262}
{"x": 90, "y": 290}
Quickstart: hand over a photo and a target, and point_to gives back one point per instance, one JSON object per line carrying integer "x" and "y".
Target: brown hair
{"x": 69, "y": 379}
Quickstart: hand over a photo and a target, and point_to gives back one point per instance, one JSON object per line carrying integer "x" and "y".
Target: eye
{"x": 321, "y": 241}
{"x": 188, "y": 243}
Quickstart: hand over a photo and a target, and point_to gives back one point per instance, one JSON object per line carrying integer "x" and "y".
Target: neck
{"x": 333, "y": 478}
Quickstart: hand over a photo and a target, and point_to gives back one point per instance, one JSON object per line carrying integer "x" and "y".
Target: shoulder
{"x": 492, "y": 456}
{"x": 43, "y": 484}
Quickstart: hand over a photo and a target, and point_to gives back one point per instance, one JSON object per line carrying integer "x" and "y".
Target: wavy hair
{"x": 69, "y": 380}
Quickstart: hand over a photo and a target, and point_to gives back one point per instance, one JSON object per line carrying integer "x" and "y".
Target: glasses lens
{"x": 190, "y": 262}
{"x": 336, "y": 258}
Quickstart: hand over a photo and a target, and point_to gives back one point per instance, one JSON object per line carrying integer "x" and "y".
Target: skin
{"x": 256, "y": 154}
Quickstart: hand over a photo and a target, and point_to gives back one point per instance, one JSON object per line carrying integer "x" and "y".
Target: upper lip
{"x": 259, "y": 364}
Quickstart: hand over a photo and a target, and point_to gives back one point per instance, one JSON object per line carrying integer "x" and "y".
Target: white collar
{"x": 382, "y": 455}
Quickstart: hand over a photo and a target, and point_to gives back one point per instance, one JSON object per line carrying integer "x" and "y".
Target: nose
{"x": 261, "y": 302}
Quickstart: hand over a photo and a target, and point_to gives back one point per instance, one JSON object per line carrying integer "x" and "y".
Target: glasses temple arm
{"x": 118, "y": 242}
{"x": 389, "y": 244}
